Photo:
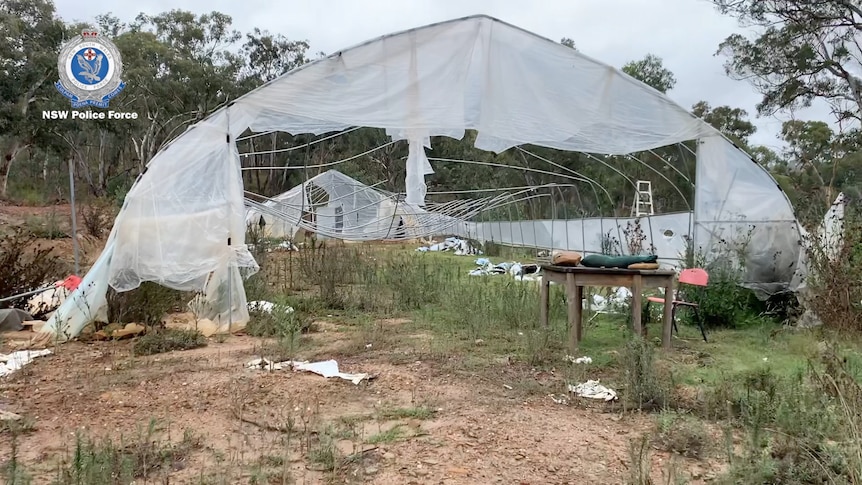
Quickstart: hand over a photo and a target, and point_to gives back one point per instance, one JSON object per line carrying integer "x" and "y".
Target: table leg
{"x": 637, "y": 311}
{"x": 579, "y": 311}
{"x": 574, "y": 312}
{"x": 544, "y": 290}
{"x": 667, "y": 316}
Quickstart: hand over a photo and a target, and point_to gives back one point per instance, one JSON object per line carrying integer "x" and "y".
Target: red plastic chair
{"x": 691, "y": 276}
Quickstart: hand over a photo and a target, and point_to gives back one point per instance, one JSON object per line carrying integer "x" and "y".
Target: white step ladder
{"x": 642, "y": 205}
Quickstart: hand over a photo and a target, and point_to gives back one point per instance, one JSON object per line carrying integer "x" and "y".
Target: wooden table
{"x": 575, "y": 278}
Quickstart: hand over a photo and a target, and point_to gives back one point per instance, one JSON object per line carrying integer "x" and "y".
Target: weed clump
{"x": 681, "y": 433}
{"x": 108, "y": 462}
{"x": 647, "y": 388}
{"x": 167, "y": 340}
{"x": 146, "y": 304}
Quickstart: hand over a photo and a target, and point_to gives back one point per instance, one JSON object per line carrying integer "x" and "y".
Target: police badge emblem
{"x": 90, "y": 67}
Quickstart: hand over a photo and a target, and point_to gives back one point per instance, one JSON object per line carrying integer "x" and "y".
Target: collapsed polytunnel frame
{"x": 530, "y": 197}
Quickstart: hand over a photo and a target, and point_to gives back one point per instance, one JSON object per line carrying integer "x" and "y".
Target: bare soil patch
{"x": 417, "y": 421}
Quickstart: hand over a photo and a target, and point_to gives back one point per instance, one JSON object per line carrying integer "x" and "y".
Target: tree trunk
{"x": 6, "y": 165}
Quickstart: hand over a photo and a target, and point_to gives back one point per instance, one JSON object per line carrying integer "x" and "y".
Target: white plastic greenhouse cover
{"x": 183, "y": 223}
{"x": 352, "y": 211}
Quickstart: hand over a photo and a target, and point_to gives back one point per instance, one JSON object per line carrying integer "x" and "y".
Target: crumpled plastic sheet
{"x": 15, "y": 361}
{"x": 613, "y": 302}
{"x": 326, "y": 368}
{"x": 579, "y": 360}
{"x": 519, "y": 271}
{"x": 592, "y": 389}
{"x": 264, "y": 306}
{"x": 460, "y": 246}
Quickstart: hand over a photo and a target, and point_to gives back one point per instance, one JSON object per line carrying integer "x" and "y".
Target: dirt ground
{"x": 480, "y": 432}
{"x": 477, "y": 429}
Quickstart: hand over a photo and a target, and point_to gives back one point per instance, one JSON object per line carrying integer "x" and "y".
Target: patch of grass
{"x": 391, "y": 435}
{"x": 645, "y": 386}
{"x": 106, "y": 461}
{"x": 798, "y": 429}
{"x": 418, "y": 412}
{"x": 682, "y": 434}
{"x": 323, "y": 453}
{"x": 167, "y": 340}
{"x": 47, "y": 227}
{"x": 11, "y": 469}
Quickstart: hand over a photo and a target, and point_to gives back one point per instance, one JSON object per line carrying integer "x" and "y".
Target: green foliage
{"x": 645, "y": 387}
{"x": 47, "y": 227}
{"x": 801, "y": 51}
{"x": 723, "y": 302}
{"x": 158, "y": 341}
{"x": 835, "y": 277}
{"x": 799, "y": 429}
{"x": 681, "y": 433}
{"x": 144, "y": 457}
{"x": 732, "y": 122}
{"x": 97, "y": 217}
{"x": 146, "y": 304}
{"x": 650, "y": 70}
{"x": 283, "y": 322}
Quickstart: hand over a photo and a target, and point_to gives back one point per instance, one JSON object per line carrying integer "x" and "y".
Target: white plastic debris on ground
{"x": 612, "y": 303}
{"x": 579, "y": 360}
{"x": 326, "y": 368}
{"x": 521, "y": 272}
{"x": 10, "y": 363}
{"x": 593, "y": 390}
{"x": 285, "y": 246}
{"x": 264, "y": 306}
{"x": 460, "y": 247}
{"x": 47, "y": 301}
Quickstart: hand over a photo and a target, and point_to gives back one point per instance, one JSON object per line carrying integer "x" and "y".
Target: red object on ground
{"x": 70, "y": 283}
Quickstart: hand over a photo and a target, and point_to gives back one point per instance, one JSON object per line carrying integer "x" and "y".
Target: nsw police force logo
{"x": 90, "y": 68}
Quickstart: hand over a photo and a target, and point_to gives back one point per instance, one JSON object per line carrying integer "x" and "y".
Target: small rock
{"x": 388, "y": 456}
{"x": 371, "y": 471}
{"x": 479, "y": 341}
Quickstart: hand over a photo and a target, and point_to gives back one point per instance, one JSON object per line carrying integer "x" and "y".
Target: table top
{"x": 607, "y": 271}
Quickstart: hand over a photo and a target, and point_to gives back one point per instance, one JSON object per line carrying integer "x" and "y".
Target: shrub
{"x": 647, "y": 389}
{"x": 97, "y": 217}
{"x": 682, "y": 434}
{"x": 47, "y": 227}
{"x": 835, "y": 278}
{"x": 168, "y": 339}
{"x": 799, "y": 429}
{"x": 24, "y": 266}
{"x": 146, "y": 304}
{"x": 724, "y": 302}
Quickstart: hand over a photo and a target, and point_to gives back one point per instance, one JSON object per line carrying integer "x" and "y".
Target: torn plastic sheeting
{"x": 613, "y": 302}
{"x": 593, "y": 390}
{"x": 522, "y": 272}
{"x": 461, "y": 247}
{"x": 579, "y": 360}
{"x": 15, "y": 361}
{"x": 267, "y": 306}
{"x": 326, "y": 368}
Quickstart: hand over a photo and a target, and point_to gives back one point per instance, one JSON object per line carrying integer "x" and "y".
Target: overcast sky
{"x": 684, "y": 33}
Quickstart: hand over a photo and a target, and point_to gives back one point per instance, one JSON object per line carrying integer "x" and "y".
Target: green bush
{"x": 146, "y": 304}
{"x": 799, "y": 429}
{"x": 167, "y": 340}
